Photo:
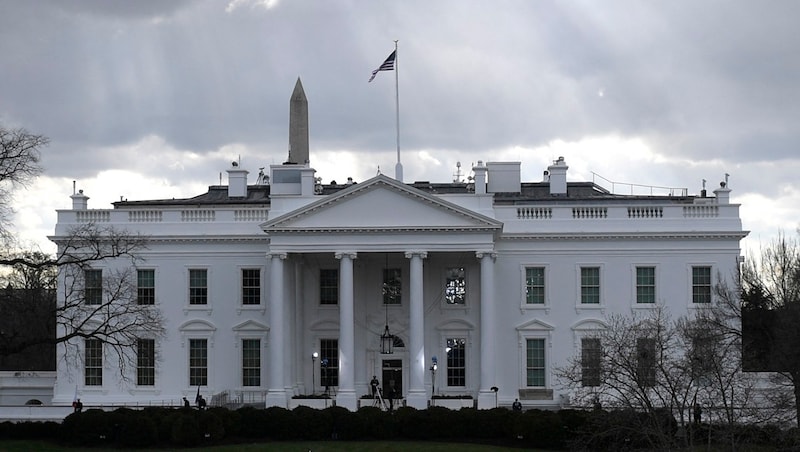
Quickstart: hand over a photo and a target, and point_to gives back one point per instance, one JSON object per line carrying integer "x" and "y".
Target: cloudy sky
{"x": 151, "y": 99}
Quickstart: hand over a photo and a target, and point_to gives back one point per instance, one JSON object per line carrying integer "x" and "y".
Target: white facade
{"x": 292, "y": 235}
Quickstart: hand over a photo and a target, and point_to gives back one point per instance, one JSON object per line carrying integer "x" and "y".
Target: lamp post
{"x": 314, "y": 357}
{"x": 434, "y": 366}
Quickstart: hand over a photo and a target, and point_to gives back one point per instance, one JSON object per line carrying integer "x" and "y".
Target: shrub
{"x": 186, "y": 430}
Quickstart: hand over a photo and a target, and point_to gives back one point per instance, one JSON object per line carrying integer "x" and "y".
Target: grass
{"x": 287, "y": 446}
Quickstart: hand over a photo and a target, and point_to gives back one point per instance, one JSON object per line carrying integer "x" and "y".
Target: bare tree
{"x": 19, "y": 165}
{"x": 93, "y": 302}
{"x": 770, "y": 290}
{"x": 639, "y": 371}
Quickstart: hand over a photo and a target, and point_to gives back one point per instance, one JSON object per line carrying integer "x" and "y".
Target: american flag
{"x": 387, "y": 65}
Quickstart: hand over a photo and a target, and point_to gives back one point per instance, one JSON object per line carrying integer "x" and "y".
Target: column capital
{"x": 281, "y": 256}
{"x": 341, "y": 254}
{"x": 490, "y": 254}
{"x": 421, "y": 254}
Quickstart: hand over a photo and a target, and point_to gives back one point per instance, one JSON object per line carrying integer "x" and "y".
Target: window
{"x": 328, "y": 286}
{"x": 455, "y": 288}
{"x": 646, "y": 285}
{"x": 456, "y": 362}
{"x": 329, "y": 362}
{"x": 198, "y": 362}
{"x": 251, "y": 362}
{"x": 590, "y": 285}
{"x": 145, "y": 287}
{"x": 646, "y": 361}
{"x": 198, "y": 286}
{"x": 251, "y": 286}
{"x": 701, "y": 284}
{"x": 534, "y": 285}
{"x": 392, "y": 290}
{"x": 93, "y": 362}
{"x": 591, "y": 355}
{"x": 93, "y": 286}
{"x": 534, "y": 362}
{"x": 145, "y": 362}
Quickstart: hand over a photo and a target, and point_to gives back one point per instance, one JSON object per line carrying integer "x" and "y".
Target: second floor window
{"x": 93, "y": 286}
{"x": 145, "y": 286}
{"x": 251, "y": 286}
{"x": 455, "y": 286}
{"x": 391, "y": 286}
{"x": 590, "y": 285}
{"x": 534, "y": 285}
{"x": 701, "y": 284}
{"x": 328, "y": 286}
{"x": 645, "y": 285}
{"x": 198, "y": 286}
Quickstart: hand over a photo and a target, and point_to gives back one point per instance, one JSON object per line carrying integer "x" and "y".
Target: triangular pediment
{"x": 381, "y": 203}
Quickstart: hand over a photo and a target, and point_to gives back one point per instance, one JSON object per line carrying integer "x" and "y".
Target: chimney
{"x": 237, "y": 181}
{"x": 558, "y": 177}
{"x": 723, "y": 193}
{"x": 80, "y": 201}
{"x": 479, "y": 178}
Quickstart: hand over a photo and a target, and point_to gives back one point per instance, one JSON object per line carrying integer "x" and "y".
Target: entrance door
{"x": 392, "y": 377}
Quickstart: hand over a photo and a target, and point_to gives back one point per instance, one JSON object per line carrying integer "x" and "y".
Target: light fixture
{"x": 433, "y": 368}
{"x": 314, "y": 357}
{"x": 387, "y": 339}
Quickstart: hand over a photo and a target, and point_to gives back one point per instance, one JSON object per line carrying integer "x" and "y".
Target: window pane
{"x": 646, "y": 361}
{"x": 329, "y": 362}
{"x": 391, "y": 286}
{"x": 645, "y": 284}
{"x": 198, "y": 362}
{"x": 590, "y": 361}
{"x": 701, "y": 284}
{"x": 590, "y": 285}
{"x": 198, "y": 286}
{"x": 329, "y": 286}
{"x": 145, "y": 287}
{"x": 251, "y": 362}
{"x": 251, "y": 286}
{"x": 534, "y": 362}
{"x": 456, "y": 362}
{"x": 145, "y": 362}
{"x": 93, "y": 362}
{"x": 534, "y": 285}
{"x": 93, "y": 286}
{"x": 455, "y": 291}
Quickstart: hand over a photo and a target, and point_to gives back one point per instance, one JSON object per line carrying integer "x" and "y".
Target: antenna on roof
{"x": 457, "y": 175}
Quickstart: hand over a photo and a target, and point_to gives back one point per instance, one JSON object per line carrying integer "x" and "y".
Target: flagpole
{"x": 398, "y": 169}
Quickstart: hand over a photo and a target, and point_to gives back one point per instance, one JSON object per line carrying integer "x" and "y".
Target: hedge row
{"x": 554, "y": 430}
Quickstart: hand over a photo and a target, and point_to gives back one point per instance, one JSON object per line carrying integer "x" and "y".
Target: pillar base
{"x": 487, "y": 400}
{"x": 276, "y": 397}
{"x": 417, "y": 399}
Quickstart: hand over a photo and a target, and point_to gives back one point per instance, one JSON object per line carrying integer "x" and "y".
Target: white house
{"x": 492, "y": 281}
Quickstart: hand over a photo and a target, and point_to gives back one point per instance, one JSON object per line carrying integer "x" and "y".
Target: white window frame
{"x": 524, "y": 305}
{"x": 251, "y": 329}
{"x": 198, "y": 329}
{"x": 534, "y": 329}
{"x": 262, "y": 305}
{"x": 690, "y": 284}
{"x": 155, "y": 285}
{"x": 209, "y": 298}
{"x": 657, "y": 273}
{"x": 445, "y": 277}
{"x": 578, "y": 301}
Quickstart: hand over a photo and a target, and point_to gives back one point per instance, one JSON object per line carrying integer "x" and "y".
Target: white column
{"x": 487, "y": 398}
{"x": 417, "y": 396}
{"x": 346, "y": 397}
{"x": 276, "y": 395}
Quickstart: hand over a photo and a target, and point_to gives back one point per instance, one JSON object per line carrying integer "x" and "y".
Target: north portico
{"x": 360, "y": 231}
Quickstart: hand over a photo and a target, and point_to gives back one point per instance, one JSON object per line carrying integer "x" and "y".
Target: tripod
{"x": 378, "y": 401}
